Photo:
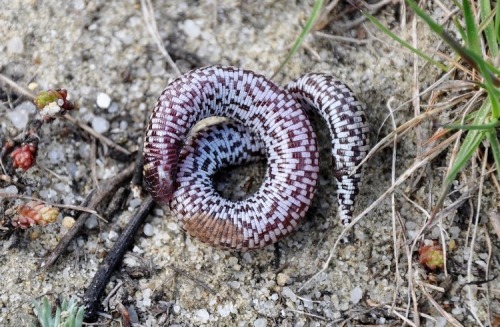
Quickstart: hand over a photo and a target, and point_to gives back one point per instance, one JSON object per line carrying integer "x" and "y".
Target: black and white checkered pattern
{"x": 271, "y": 121}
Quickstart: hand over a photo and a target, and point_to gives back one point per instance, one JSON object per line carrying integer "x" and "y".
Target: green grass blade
{"x": 497, "y": 21}
{"x": 470, "y": 143}
{"x": 472, "y": 57}
{"x": 467, "y": 149}
{"x": 495, "y": 148}
{"x": 489, "y": 28}
{"x": 405, "y": 44}
{"x": 482, "y": 127}
{"x": 472, "y": 40}
{"x": 318, "y": 5}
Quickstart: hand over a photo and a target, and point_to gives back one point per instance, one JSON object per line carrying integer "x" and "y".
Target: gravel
{"x": 103, "y": 54}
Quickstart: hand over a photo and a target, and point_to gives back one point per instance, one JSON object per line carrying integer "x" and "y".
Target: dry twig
{"x": 108, "y": 186}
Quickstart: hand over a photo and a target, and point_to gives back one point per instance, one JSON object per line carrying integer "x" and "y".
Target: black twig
{"x": 106, "y": 268}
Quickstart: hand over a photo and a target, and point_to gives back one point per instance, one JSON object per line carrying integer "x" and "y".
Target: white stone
{"x": 234, "y": 284}
{"x": 100, "y": 125}
{"x": 18, "y": 118}
{"x": 148, "y": 230}
{"x": 56, "y": 154}
{"x": 288, "y": 293}
{"x": 15, "y": 45}
{"x": 203, "y": 315}
{"x": 308, "y": 303}
{"x": 224, "y": 311}
{"x": 113, "y": 236}
{"x": 356, "y": 294}
{"x": 172, "y": 227}
{"x": 261, "y": 322}
{"x": 79, "y": 4}
{"x": 177, "y": 309}
{"x": 103, "y": 100}
{"x": 190, "y": 28}
{"x": 11, "y": 189}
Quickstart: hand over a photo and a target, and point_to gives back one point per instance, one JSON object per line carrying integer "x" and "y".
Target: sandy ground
{"x": 94, "y": 46}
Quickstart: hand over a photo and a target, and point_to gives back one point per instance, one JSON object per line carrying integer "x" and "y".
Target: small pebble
{"x": 15, "y": 45}
{"x": 103, "y": 100}
{"x": 288, "y": 293}
{"x": 191, "y": 29}
{"x": 11, "y": 189}
{"x": 113, "y": 236}
{"x": 356, "y": 294}
{"x": 177, "y": 309}
{"x": 68, "y": 222}
{"x": 203, "y": 315}
{"x": 18, "y": 118}
{"x": 282, "y": 279}
{"x": 100, "y": 125}
{"x": 79, "y": 4}
{"x": 224, "y": 311}
{"x": 148, "y": 230}
{"x": 91, "y": 223}
{"x": 261, "y": 322}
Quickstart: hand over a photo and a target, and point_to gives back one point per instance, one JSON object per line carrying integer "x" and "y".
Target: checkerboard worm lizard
{"x": 268, "y": 120}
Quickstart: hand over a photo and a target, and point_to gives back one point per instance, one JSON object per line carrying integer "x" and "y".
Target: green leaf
{"x": 79, "y": 317}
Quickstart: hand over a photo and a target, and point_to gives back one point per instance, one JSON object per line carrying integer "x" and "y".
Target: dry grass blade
{"x": 149, "y": 18}
{"x": 449, "y": 318}
{"x": 470, "y": 294}
{"x": 403, "y": 177}
{"x": 393, "y": 207}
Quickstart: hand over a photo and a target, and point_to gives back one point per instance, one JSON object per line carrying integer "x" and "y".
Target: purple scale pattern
{"x": 272, "y": 122}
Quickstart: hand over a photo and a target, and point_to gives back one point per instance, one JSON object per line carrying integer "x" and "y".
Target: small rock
{"x": 224, "y": 311}
{"x": 100, "y": 125}
{"x": 288, "y": 293}
{"x": 91, "y": 223}
{"x": 11, "y": 189}
{"x": 103, "y": 100}
{"x": 234, "y": 284}
{"x": 19, "y": 116}
{"x": 356, "y": 294}
{"x": 282, "y": 279}
{"x": 308, "y": 303}
{"x": 177, "y": 309}
{"x": 123, "y": 125}
{"x": 79, "y": 4}
{"x": 56, "y": 154}
{"x": 203, "y": 315}
{"x": 261, "y": 322}
{"x": 191, "y": 29}
{"x": 68, "y": 222}
{"x": 15, "y": 45}
{"x": 148, "y": 230}
{"x": 113, "y": 236}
